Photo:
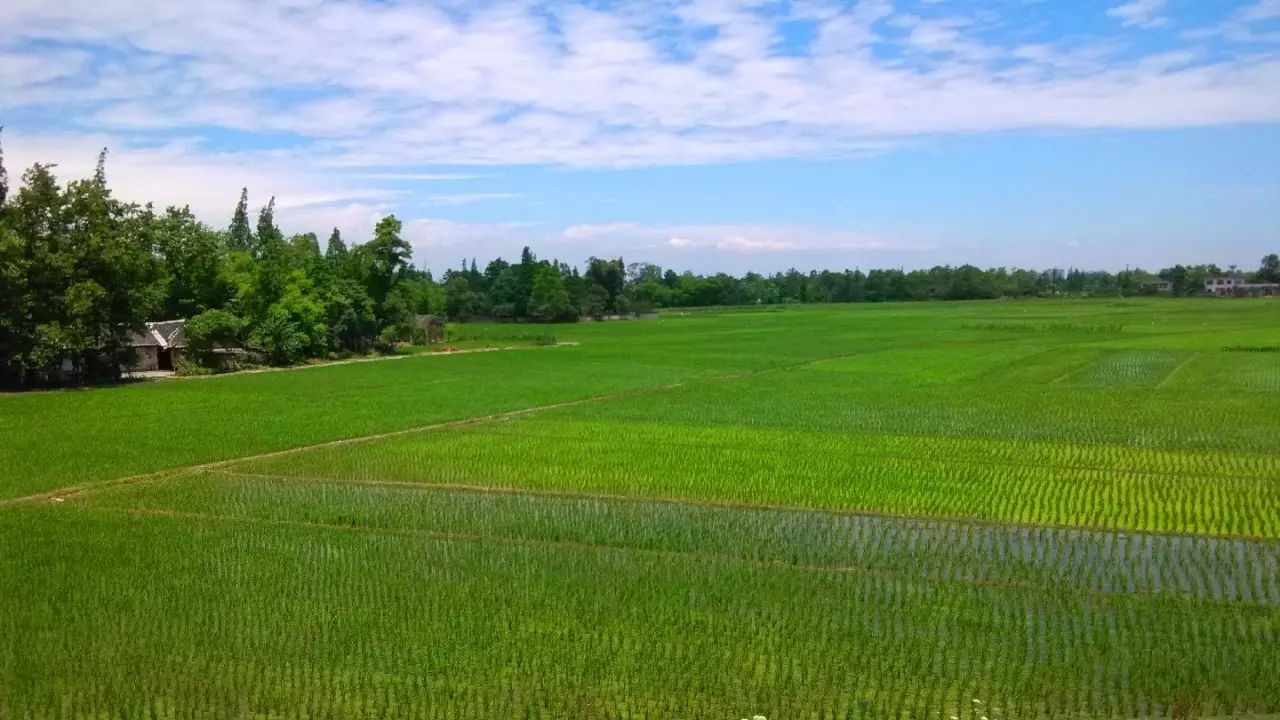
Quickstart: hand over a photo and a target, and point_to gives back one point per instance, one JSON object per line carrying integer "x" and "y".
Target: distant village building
{"x": 158, "y": 346}
{"x": 1158, "y": 286}
{"x": 1235, "y": 286}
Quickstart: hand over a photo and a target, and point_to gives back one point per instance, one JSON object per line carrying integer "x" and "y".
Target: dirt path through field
{"x": 358, "y": 360}
{"x": 61, "y": 494}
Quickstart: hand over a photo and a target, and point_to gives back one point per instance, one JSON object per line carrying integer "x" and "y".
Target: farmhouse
{"x": 1235, "y": 286}
{"x": 158, "y": 345}
{"x": 430, "y": 325}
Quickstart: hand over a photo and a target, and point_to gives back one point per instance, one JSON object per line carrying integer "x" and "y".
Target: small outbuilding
{"x": 158, "y": 346}
{"x": 431, "y": 326}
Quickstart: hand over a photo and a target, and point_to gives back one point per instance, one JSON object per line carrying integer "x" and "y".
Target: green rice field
{"x": 978, "y": 511}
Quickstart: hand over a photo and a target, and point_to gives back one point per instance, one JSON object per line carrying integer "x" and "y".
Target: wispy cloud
{"x": 1248, "y": 25}
{"x": 469, "y": 198}
{"x": 421, "y": 177}
{"x": 1141, "y": 13}
{"x": 739, "y": 238}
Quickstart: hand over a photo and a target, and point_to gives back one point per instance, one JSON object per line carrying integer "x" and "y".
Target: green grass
{"x": 1062, "y": 509}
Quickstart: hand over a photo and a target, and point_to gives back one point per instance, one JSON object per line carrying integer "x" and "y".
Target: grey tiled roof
{"x": 164, "y": 334}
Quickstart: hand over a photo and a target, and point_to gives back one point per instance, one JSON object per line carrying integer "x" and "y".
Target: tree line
{"x": 504, "y": 291}
{"x": 81, "y": 271}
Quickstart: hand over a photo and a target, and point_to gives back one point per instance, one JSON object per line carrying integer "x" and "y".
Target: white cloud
{"x": 398, "y": 83}
{"x": 742, "y": 247}
{"x": 1261, "y": 11}
{"x": 1241, "y": 26}
{"x": 421, "y": 177}
{"x": 738, "y": 238}
{"x": 1141, "y": 13}
{"x": 469, "y": 198}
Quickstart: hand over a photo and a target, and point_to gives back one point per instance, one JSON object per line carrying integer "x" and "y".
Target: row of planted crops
{"x": 249, "y": 597}
{"x": 1076, "y": 560}
{"x": 1090, "y": 485}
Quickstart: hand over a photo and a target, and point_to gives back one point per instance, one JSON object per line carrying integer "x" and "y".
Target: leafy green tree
{"x": 4, "y": 176}
{"x": 271, "y": 271}
{"x": 239, "y": 236}
{"x": 293, "y": 327}
{"x": 548, "y": 300}
{"x": 596, "y": 303}
{"x": 268, "y": 233}
{"x": 349, "y": 317}
{"x": 461, "y": 303}
{"x": 388, "y": 254}
{"x": 524, "y": 273}
{"x": 611, "y": 277}
{"x": 15, "y": 308}
{"x": 117, "y": 289}
{"x": 493, "y": 270}
{"x": 85, "y": 277}
{"x": 1269, "y": 270}
{"x": 504, "y": 295}
{"x": 304, "y": 250}
{"x": 336, "y": 250}
{"x": 209, "y": 331}
{"x": 576, "y": 288}
{"x": 191, "y": 261}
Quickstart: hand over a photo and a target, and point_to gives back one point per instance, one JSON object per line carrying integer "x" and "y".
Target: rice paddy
{"x": 971, "y": 510}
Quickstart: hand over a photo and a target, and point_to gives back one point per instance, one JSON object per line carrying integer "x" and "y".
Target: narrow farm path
{"x": 60, "y": 494}
{"x": 313, "y": 366}
{"x": 360, "y": 360}
{"x": 493, "y": 539}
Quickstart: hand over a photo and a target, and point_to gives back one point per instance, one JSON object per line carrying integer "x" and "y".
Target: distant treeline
{"x": 80, "y": 271}
{"x": 610, "y": 286}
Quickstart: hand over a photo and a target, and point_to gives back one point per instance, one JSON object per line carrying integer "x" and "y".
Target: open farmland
{"x": 970, "y": 510}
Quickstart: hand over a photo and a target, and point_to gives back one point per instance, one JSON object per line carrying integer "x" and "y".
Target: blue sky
{"x": 710, "y": 135}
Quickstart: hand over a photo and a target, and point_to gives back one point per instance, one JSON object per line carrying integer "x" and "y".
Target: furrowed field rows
{"x": 1058, "y": 484}
{"x": 1234, "y": 372}
{"x": 820, "y": 397}
{"x": 1130, "y": 368}
{"x": 1052, "y": 558}
{"x": 297, "y": 622}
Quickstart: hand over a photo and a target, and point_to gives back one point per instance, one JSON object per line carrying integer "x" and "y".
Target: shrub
{"x": 207, "y": 332}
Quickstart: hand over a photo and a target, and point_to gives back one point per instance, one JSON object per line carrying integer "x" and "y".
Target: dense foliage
{"x": 80, "y": 271}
